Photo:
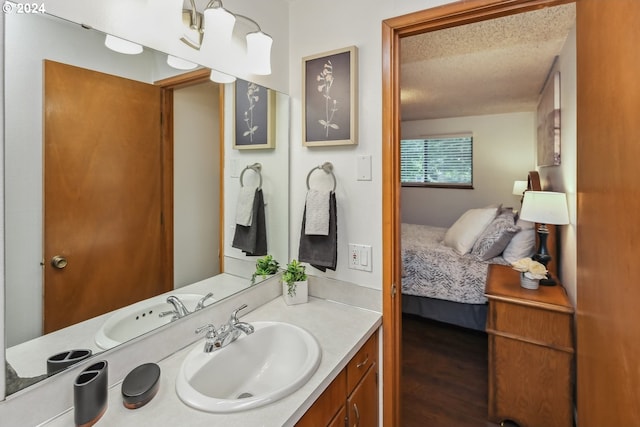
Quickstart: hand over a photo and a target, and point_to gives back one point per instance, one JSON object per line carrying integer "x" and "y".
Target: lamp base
{"x": 548, "y": 282}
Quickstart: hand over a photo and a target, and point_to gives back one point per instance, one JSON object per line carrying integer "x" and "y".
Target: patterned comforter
{"x": 431, "y": 269}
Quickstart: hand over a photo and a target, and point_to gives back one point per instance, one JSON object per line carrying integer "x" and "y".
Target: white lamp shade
{"x": 122, "y": 46}
{"x": 259, "y": 53}
{"x": 218, "y": 77}
{"x": 180, "y": 64}
{"x": 218, "y": 24}
{"x": 545, "y": 207}
{"x": 519, "y": 187}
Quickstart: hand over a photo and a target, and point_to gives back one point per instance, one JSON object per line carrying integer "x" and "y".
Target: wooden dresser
{"x": 531, "y": 352}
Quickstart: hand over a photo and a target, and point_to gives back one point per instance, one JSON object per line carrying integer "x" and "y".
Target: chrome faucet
{"x": 180, "y": 310}
{"x": 227, "y": 334}
{"x": 178, "y": 306}
{"x": 210, "y": 338}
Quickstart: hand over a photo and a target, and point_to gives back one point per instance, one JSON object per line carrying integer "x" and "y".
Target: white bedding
{"x": 433, "y": 270}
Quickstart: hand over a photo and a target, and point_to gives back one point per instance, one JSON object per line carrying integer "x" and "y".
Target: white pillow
{"x": 465, "y": 231}
{"x": 522, "y": 245}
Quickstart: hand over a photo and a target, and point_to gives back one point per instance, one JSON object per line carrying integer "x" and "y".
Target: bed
{"x": 444, "y": 270}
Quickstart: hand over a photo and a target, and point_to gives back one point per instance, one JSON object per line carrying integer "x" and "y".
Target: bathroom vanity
{"x": 348, "y": 338}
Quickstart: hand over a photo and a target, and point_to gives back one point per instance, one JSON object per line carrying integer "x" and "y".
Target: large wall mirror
{"x": 204, "y": 177}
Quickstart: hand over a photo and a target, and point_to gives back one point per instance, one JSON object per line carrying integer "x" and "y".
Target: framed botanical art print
{"x": 254, "y": 116}
{"x": 329, "y": 98}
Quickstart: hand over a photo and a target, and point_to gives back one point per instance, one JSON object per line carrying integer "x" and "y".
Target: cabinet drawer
{"x": 327, "y": 405}
{"x": 530, "y": 384}
{"x": 360, "y": 363}
{"x": 530, "y": 323}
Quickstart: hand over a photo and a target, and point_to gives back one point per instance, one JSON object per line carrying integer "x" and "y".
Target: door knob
{"x": 59, "y": 262}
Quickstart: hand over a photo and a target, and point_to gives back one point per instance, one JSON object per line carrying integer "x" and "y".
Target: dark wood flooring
{"x": 444, "y": 377}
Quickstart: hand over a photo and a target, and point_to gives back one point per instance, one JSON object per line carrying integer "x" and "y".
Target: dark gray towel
{"x": 252, "y": 240}
{"x": 321, "y": 251}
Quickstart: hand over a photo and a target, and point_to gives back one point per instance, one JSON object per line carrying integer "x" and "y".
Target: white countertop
{"x": 339, "y": 328}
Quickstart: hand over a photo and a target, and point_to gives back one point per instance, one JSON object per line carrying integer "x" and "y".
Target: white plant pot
{"x": 527, "y": 283}
{"x": 300, "y": 295}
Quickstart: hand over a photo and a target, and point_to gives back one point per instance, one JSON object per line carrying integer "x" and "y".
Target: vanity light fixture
{"x": 121, "y": 45}
{"x": 258, "y": 50}
{"x": 216, "y": 24}
{"x": 180, "y": 64}
{"x": 218, "y": 77}
{"x": 193, "y": 29}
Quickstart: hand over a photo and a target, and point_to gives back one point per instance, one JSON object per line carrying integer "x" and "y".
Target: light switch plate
{"x": 363, "y": 167}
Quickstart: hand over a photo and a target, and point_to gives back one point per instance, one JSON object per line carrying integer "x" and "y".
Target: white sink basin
{"x": 140, "y": 318}
{"x": 255, "y": 370}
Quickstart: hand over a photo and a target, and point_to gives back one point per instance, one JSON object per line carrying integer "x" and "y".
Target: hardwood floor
{"x": 444, "y": 375}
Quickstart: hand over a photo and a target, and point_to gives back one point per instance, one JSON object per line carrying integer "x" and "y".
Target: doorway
{"x": 393, "y": 30}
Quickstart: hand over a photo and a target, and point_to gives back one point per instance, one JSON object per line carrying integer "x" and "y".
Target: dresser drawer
{"x": 531, "y": 323}
{"x": 360, "y": 363}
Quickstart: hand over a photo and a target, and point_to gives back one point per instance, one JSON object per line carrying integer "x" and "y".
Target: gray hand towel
{"x": 252, "y": 240}
{"x": 321, "y": 251}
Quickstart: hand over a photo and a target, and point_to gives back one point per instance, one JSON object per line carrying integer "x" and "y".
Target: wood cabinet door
{"x": 363, "y": 402}
{"x": 340, "y": 419}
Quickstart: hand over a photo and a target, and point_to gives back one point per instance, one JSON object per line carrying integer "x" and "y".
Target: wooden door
{"x": 103, "y": 194}
{"x": 608, "y": 337}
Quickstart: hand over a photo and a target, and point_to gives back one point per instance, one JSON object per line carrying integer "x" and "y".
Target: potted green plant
{"x": 295, "y": 288}
{"x": 265, "y": 267}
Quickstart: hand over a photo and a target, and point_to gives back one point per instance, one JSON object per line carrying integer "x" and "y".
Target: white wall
{"x": 317, "y": 27}
{"x": 503, "y": 152}
{"x": 196, "y": 177}
{"x": 563, "y": 178}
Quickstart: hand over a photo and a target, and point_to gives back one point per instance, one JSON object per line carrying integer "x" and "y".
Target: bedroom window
{"x": 438, "y": 161}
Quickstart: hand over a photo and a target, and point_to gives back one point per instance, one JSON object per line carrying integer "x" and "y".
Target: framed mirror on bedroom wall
{"x": 197, "y": 181}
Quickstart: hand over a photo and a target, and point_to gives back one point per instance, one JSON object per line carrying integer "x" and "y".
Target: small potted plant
{"x": 265, "y": 267}
{"x": 530, "y": 272}
{"x": 295, "y": 288}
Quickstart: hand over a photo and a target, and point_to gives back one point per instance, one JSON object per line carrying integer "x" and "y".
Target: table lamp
{"x": 519, "y": 187}
{"x": 544, "y": 207}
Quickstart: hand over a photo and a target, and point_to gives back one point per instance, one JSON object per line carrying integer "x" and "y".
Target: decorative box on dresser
{"x": 352, "y": 397}
{"x": 531, "y": 352}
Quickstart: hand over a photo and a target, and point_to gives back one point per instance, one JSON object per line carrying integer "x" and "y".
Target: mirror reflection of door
{"x": 103, "y": 195}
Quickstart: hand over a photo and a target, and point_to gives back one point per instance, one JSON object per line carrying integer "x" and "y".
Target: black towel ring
{"x": 256, "y": 167}
{"x": 327, "y": 167}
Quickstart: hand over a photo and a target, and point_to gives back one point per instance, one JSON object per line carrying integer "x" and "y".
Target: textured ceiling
{"x": 488, "y": 67}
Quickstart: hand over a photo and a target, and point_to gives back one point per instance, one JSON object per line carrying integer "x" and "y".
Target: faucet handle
{"x": 200, "y": 305}
{"x": 210, "y": 328}
{"x": 234, "y": 316}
